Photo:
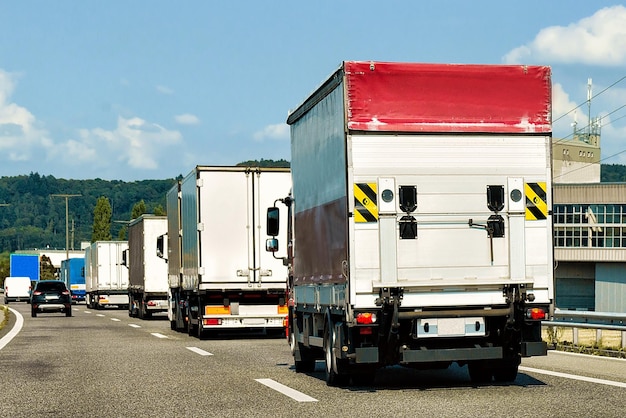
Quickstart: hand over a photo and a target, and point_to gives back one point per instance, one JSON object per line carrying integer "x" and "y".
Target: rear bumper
{"x": 51, "y": 307}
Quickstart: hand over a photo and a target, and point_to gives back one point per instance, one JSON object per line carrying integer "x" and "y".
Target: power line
{"x": 586, "y": 101}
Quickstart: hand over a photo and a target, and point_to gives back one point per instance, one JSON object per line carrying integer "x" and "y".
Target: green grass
{"x": 5, "y": 319}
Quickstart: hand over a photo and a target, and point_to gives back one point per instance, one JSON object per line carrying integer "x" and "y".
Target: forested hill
{"x": 33, "y": 218}
{"x": 610, "y": 173}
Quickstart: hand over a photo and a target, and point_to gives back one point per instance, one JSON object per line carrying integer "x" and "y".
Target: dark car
{"x": 50, "y": 296}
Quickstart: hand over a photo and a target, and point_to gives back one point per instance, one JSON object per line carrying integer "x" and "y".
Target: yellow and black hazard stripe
{"x": 536, "y": 201}
{"x": 365, "y": 204}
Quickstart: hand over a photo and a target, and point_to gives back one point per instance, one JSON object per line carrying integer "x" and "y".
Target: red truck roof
{"x": 417, "y": 97}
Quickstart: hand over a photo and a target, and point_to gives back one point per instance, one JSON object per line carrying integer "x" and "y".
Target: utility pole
{"x": 67, "y": 225}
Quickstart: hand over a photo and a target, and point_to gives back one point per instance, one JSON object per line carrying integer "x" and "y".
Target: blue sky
{"x": 132, "y": 90}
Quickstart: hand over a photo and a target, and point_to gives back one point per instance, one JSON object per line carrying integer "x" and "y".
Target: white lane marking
{"x": 286, "y": 390}
{"x": 88, "y": 312}
{"x": 100, "y": 315}
{"x": 199, "y": 351}
{"x": 134, "y": 325}
{"x": 19, "y": 321}
{"x": 115, "y": 319}
{"x": 574, "y": 377}
{"x": 156, "y": 334}
{"x": 567, "y": 353}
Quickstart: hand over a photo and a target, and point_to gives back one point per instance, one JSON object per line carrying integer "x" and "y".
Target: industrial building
{"x": 589, "y": 228}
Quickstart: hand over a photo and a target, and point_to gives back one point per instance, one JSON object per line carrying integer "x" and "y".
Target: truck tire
{"x": 336, "y": 373}
{"x": 306, "y": 363}
{"x": 480, "y": 372}
{"x": 506, "y": 370}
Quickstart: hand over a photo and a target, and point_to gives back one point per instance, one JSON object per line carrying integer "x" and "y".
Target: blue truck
{"x": 25, "y": 265}
{"x": 73, "y": 274}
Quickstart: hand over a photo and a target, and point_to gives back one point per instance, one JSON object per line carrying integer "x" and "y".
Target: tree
{"x": 122, "y": 234}
{"x": 159, "y": 211}
{"x": 138, "y": 210}
{"x": 102, "y": 220}
{"x": 46, "y": 269}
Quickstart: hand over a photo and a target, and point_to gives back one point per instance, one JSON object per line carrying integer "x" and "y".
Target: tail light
{"x": 536, "y": 313}
{"x": 66, "y": 292}
{"x": 36, "y": 293}
{"x": 212, "y": 321}
{"x": 365, "y": 318}
{"x": 151, "y": 303}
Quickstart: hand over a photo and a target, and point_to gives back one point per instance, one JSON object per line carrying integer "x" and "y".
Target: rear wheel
{"x": 480, "y": 372}
{"x": 506, "y": 370}
{"x": 336, "y": 373}
{"x": 33, "y": 312}
{"x": 68, "y": 312}
{"x": 303, "y": 359}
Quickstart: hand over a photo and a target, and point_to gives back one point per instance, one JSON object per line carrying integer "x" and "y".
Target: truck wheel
{"x": 480, "y": 372}
{"x": 506, "y": 370}
{"x": 335, "y": 371}
{"x": 306, "y": 362}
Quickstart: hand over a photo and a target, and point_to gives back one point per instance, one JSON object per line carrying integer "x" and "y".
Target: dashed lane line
{"x": 158, "y": 335}
{"x": 134, "y": 325}
{"x": 115, "y": 319}
{"x": 199, "y": 351}
{"x": 286, "y": 390}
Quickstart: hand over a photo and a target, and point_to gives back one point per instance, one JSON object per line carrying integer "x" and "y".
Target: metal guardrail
{"x": 589, "y": 320}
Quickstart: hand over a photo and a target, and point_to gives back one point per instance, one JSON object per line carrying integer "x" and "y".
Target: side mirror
{"x": 273, "y": 221}
{"x": 271, "y": 245}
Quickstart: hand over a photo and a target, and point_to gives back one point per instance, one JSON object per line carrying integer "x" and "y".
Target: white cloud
{"x": 20, "y": 137}
{"x": 599, "y": 40}
{"x": 187, "y": 119}
{"x": 279, "y": 131}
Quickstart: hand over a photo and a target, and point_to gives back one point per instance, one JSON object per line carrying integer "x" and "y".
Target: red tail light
{"x": 36, "y": 293}
{"x": 66, "y": 292}
{"x": 365, "y": 318}
{"x": 536, "y": 313}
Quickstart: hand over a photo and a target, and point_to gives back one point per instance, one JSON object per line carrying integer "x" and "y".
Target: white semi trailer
{"x": 420, "y": 219}
{"x": 106, "y": 276}
{"x": 147, "y": 272}
{"x": 220, "y": 276}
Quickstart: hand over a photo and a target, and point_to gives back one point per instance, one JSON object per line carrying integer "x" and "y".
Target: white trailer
{"x": 147, "y": 272}
{"x": 220, "y": 276}
{"x": 421, "y": 213}
{"x": 106, "y": 277}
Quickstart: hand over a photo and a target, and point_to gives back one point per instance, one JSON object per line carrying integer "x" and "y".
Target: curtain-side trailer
{"x": 106, "y": 276}
{"x": 220, "y": 276}
{"x": 147, "y": 272}
{"x": 420, "y": 218}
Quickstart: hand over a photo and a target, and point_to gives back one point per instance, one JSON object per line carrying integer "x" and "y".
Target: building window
{"x": 589, "y": 226}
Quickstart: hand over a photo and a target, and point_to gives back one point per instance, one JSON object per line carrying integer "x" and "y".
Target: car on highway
{"x": 50, "y": 296}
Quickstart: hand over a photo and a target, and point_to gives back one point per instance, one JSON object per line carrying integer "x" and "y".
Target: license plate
{"x": 49, "y": 297}
{"x": 450, "y": 327}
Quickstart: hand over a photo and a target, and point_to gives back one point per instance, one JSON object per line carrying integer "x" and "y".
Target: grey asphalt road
{"x": 105, "y": 364}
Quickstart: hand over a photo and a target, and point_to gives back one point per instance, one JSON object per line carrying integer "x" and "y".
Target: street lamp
{"x": 67, "y": 227}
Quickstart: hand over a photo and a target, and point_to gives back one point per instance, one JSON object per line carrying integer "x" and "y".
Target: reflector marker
{"x": 536, "y": 205}
{"x": 365, "y": 204}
